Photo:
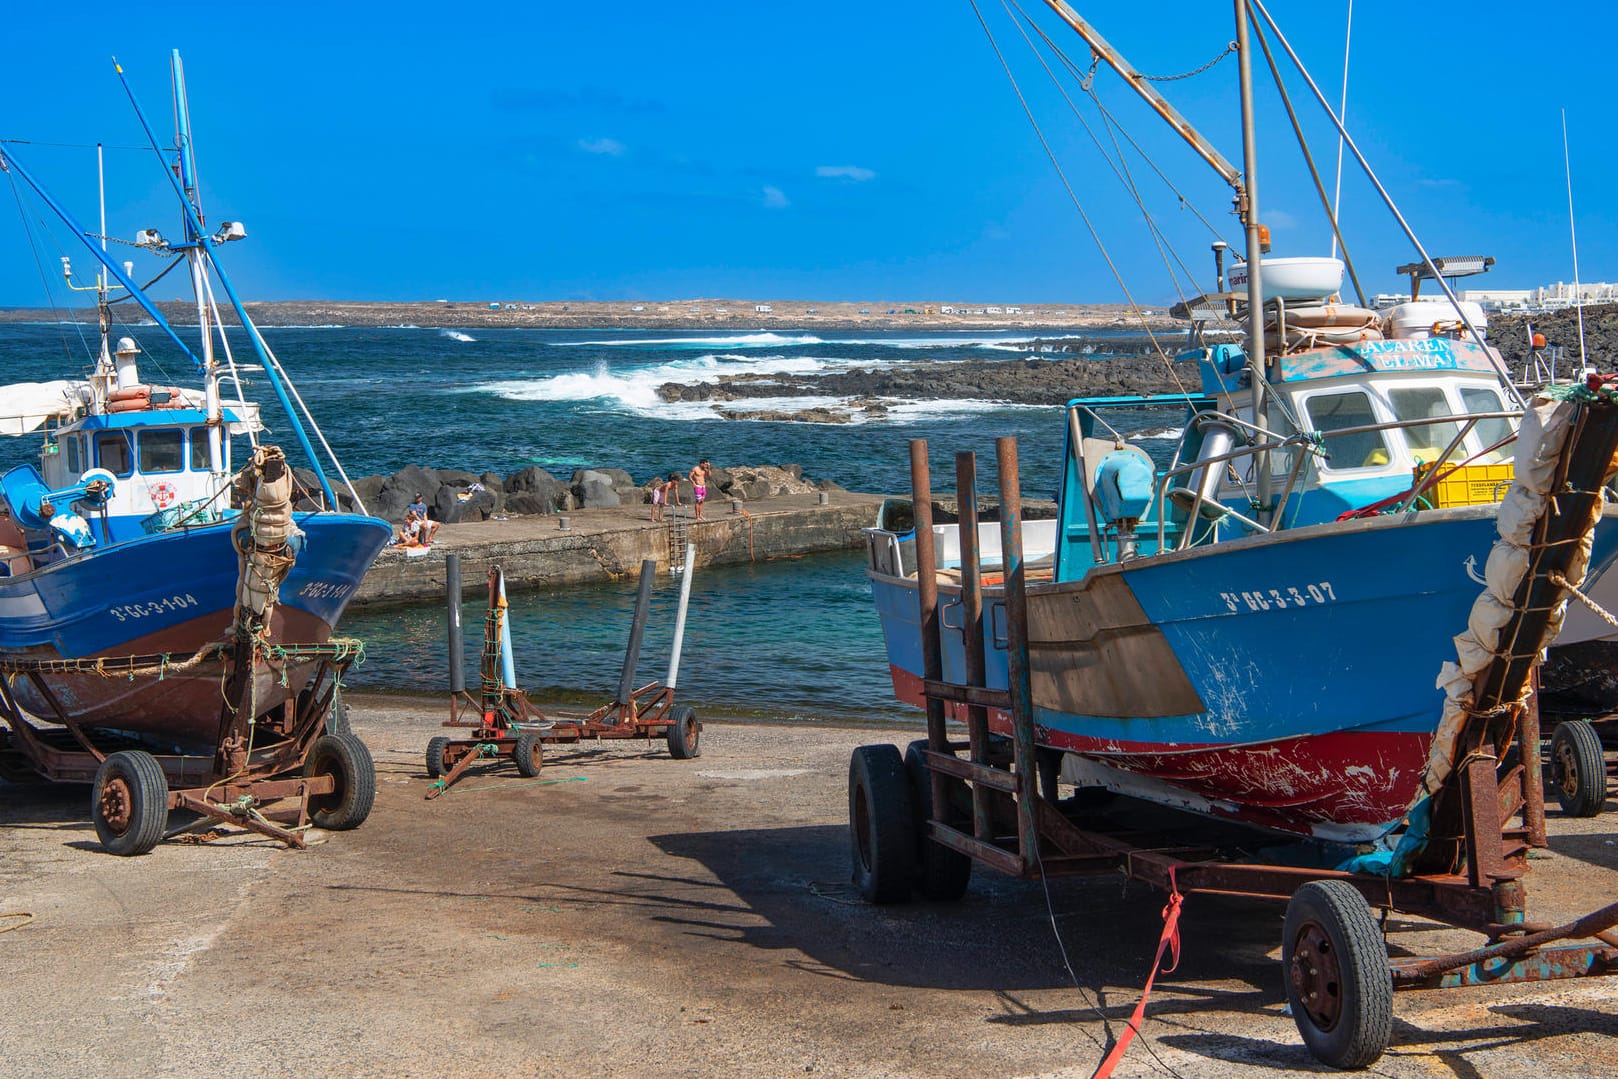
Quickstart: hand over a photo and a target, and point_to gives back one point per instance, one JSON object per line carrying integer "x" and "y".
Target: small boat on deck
{"x": 157, "y": 524}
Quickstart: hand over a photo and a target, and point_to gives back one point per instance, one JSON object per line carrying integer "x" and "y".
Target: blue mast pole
{"x": 197, "y": 236}
{"x": 8, "y": 161}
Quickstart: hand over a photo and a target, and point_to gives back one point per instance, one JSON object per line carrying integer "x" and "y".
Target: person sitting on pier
{"x": 418, "y": 531}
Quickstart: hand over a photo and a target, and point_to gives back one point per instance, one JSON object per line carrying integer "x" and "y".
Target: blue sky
{"x": 829, "y": 151}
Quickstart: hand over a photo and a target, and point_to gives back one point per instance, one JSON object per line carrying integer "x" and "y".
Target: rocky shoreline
{"x": 727, "y": 315}
{"x": 456, "y": 496}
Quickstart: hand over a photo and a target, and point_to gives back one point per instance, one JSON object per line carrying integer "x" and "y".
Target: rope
{"x": 26, "y": 915}
{"x": 1168, "y": 940}
{"x": 1600, "y": 611}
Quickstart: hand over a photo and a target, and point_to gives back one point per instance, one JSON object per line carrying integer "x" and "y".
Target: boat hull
{"x": 1288, "y": 680}
{"x": 171, "y": 594}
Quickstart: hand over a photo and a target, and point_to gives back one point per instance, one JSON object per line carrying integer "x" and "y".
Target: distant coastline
{"x": 730, "y": 315}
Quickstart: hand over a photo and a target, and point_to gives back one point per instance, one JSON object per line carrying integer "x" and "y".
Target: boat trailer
{"x": 274, "y": 773}
{"x": 919, "y": 821}
{"x": 506, "y": 724}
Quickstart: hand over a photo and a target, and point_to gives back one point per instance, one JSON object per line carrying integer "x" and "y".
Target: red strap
{"x": 1169, "y": 941}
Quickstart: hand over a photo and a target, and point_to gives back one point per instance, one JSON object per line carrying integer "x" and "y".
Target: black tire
{"x": 528, "y": 754}
{"x": 881, "y": 824}
{"x": 684, "y": 733}
{"x": 1578, "y": 769}
{"x": 1335, "y": 964}
{"x": 344, "y": 758}
{"x": 942, "y": 873}
{"x": 437, "y": 764}
{"x": 129, "y": 803}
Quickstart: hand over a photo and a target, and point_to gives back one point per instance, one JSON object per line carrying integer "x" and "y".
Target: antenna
{"x": 1342, "y": 111}
{"x": 1573, "y": 233}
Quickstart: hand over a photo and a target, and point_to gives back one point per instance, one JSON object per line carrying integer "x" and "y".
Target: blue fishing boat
{"x": 1260, "y": 628}
{"x": 157, "y": 522}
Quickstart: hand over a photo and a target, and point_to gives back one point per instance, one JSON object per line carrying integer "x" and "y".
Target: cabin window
{"x": 1330, "y": 412}
{"x": 1483, "y": 399}
{"x": 112, "y": 453}
{"x": 162, "y": 451}
{"x": 200, "y": 459}
{"x": 71, "y": 446}
{"x": 1426, "y": 441}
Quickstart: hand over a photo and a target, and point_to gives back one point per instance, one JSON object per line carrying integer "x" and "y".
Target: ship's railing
{"x": 1310, "y": 446}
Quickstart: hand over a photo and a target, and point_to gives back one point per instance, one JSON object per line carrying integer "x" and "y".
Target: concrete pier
{"x": 606, "y": 544}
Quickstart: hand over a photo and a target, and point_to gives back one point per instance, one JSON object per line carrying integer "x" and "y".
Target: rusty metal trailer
{"x": 920, "y": 821}
{"x": 273, "y": 773}
{"x": 505, "y": 724}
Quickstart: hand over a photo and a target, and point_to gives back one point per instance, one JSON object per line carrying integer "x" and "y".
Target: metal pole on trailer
{"x": 452, "y": 604}
{"x": 932, "y": 661}
{"x": 1022, "y": 713}
{"x": 637, "y": 629}
{"x": 679, "y": 616}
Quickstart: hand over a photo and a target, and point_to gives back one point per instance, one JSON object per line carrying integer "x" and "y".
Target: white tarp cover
{"x": 1545, "y": 427}
{"x": 25, "y": 406}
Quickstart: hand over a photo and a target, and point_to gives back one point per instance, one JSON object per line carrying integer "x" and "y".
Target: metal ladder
{"x": 677, "y": 531}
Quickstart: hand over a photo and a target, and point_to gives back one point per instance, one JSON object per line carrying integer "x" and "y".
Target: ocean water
{"x": 795, "y": 638}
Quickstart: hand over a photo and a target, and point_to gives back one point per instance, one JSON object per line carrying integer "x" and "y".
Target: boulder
{"x": 451, "y": 508}
{"x": 399, "y": 489}
{"x": 533, "y": 490}
{"x": 594, "y": 489}
{"x": 795, "y": 471}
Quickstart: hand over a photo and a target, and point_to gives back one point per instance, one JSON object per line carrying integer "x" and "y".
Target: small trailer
{"x": 505, "y": 724}
{"x": 274, "y": 773}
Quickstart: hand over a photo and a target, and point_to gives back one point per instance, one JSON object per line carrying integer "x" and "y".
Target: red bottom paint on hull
{"x": 183, "y": 706}
{"x": 1354, "y": 781}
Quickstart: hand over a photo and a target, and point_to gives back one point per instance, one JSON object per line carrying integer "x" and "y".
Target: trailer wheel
{"x": 437, "y": 756}
{"x": 1578, "y": 768}
{"x": 337, "y": 721}
{"x": 942, "y": 873}
{"x": 684, "y": 733}
{"x": 881, "y": 824}
{"x": 129, "y": 804}
{"x": 345, "y": 759}
{"x": 529, "y": 754}
{"x": 1336, "y": 966}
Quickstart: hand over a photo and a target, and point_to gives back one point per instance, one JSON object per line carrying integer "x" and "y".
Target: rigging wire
{"x": 1085, "y": 81}
{"x": 1342, "y": 110}
{"x": 1309, "y": 160}
{"x": 1119, "y": 165}
{"x": 1074, "y": 198}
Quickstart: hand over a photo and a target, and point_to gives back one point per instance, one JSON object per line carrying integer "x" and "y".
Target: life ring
{"x": 163, "y": 495}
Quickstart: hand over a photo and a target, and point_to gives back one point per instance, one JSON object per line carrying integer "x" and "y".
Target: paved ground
{"x": 629, "y": 915}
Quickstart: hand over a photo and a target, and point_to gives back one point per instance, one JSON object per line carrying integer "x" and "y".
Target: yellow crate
{"x": 1469, "y": 485}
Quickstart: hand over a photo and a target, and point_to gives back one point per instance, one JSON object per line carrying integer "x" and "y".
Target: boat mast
{"x": 1247, "y": 210}
{"x": 194, "y": 256}
{"x": 1242, "y": 183}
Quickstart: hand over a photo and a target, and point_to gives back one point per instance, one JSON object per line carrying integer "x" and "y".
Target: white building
{"x": 763, "y": 308}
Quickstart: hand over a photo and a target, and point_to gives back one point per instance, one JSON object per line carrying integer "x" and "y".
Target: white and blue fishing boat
{"x": 127, "y": 539}
{"x": 1257, "y": 629}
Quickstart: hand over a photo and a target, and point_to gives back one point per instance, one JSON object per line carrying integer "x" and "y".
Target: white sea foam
{"x": 456, "y": 335}
{"x": 1164, "y": 434}
{"x": 744, "y": 340}
{"x": 635, "y": 388}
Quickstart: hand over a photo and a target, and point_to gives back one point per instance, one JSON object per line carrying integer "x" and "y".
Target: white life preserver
{"x": 163, "y": 495}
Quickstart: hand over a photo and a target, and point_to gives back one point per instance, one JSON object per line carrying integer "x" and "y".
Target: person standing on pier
{"x": 700, "y": 477}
